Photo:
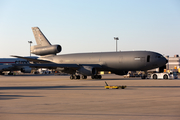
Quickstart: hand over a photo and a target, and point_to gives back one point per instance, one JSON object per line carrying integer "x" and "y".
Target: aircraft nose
{"x": 166, "y": 61}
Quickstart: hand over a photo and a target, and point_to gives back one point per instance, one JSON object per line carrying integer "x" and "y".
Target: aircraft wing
{"x": 54, "y": 65}
{"x": 32, "y": 59}
{"x": 48, "y": 64}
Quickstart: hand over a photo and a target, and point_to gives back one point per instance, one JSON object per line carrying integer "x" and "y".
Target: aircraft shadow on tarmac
{"x": 125, "y": 79}
{"x": 154, "y": 86}
{"x": 74, "y": 87}
{"x": 50, "y": 88}
{"x": 9, "y": 97}
{"x": 120, "y": 79}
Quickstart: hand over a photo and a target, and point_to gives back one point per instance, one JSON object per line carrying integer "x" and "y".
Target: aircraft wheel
{"x": 165, "y": 77}
{"x": 154, "y": 76}
{"x": 96, "y": 76}
{"x": 77, "y": 77}
{"x": 99, "y": 76}
{"x": 93, "y": 76}
{"x": 71, "y": 77}
{"x": 84, "y": 77}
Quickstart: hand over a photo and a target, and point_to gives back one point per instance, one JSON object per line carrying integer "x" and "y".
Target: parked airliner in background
{"x": 88, "y": 64}
{"x": 7, "y": 64}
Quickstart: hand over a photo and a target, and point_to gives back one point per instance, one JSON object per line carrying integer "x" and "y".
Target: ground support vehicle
{"x": 171, "y": 75}
{"x": 114, "y": 87}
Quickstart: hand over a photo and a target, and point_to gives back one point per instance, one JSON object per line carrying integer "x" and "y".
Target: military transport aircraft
{"x": 88, "y": 64}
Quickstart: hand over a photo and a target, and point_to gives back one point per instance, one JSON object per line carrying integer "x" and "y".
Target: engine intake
{"x": 26, "y": 70}
{"x": 46, "y": 50}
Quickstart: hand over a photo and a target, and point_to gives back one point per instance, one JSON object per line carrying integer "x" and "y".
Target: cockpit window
{"x": 159, "y": 56}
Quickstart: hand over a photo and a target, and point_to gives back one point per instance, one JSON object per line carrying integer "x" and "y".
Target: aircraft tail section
{"x": 43, "y": 46}
{"x": 40, "y": 38}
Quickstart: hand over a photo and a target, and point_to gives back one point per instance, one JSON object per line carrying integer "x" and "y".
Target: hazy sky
{"x": 91, "y": 25}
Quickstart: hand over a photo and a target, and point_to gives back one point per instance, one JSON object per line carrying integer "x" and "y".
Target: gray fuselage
{"x": 114, "y": 61}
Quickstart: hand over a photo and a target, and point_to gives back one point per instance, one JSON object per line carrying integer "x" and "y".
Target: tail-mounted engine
{"x": 45, "y": 50}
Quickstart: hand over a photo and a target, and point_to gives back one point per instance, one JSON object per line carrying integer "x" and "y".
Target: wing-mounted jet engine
{"x": 26, "y": 70}
{"x": 87, "y": 70}
{"x": 43, "y": 46}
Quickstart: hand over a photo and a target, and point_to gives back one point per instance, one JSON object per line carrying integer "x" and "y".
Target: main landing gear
{"x": 85, "y": 77}
{"x": 96, "y": 76}
{"x": 75, "y": 77}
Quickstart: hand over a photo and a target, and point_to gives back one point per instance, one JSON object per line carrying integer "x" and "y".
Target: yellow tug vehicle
{"x": 113, "y": 87}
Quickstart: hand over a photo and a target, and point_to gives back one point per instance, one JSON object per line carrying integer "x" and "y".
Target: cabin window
{"x": 148, "y": 58}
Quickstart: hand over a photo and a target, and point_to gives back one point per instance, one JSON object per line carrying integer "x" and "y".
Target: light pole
{"x": 116, "y": 38}
{"x": 30, "y": 42}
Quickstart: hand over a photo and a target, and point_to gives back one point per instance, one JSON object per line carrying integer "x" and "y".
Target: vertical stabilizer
{"x": 41, "y": 40}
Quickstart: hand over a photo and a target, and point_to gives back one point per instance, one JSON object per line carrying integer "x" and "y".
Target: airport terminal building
{"x": 173, "y": 63}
